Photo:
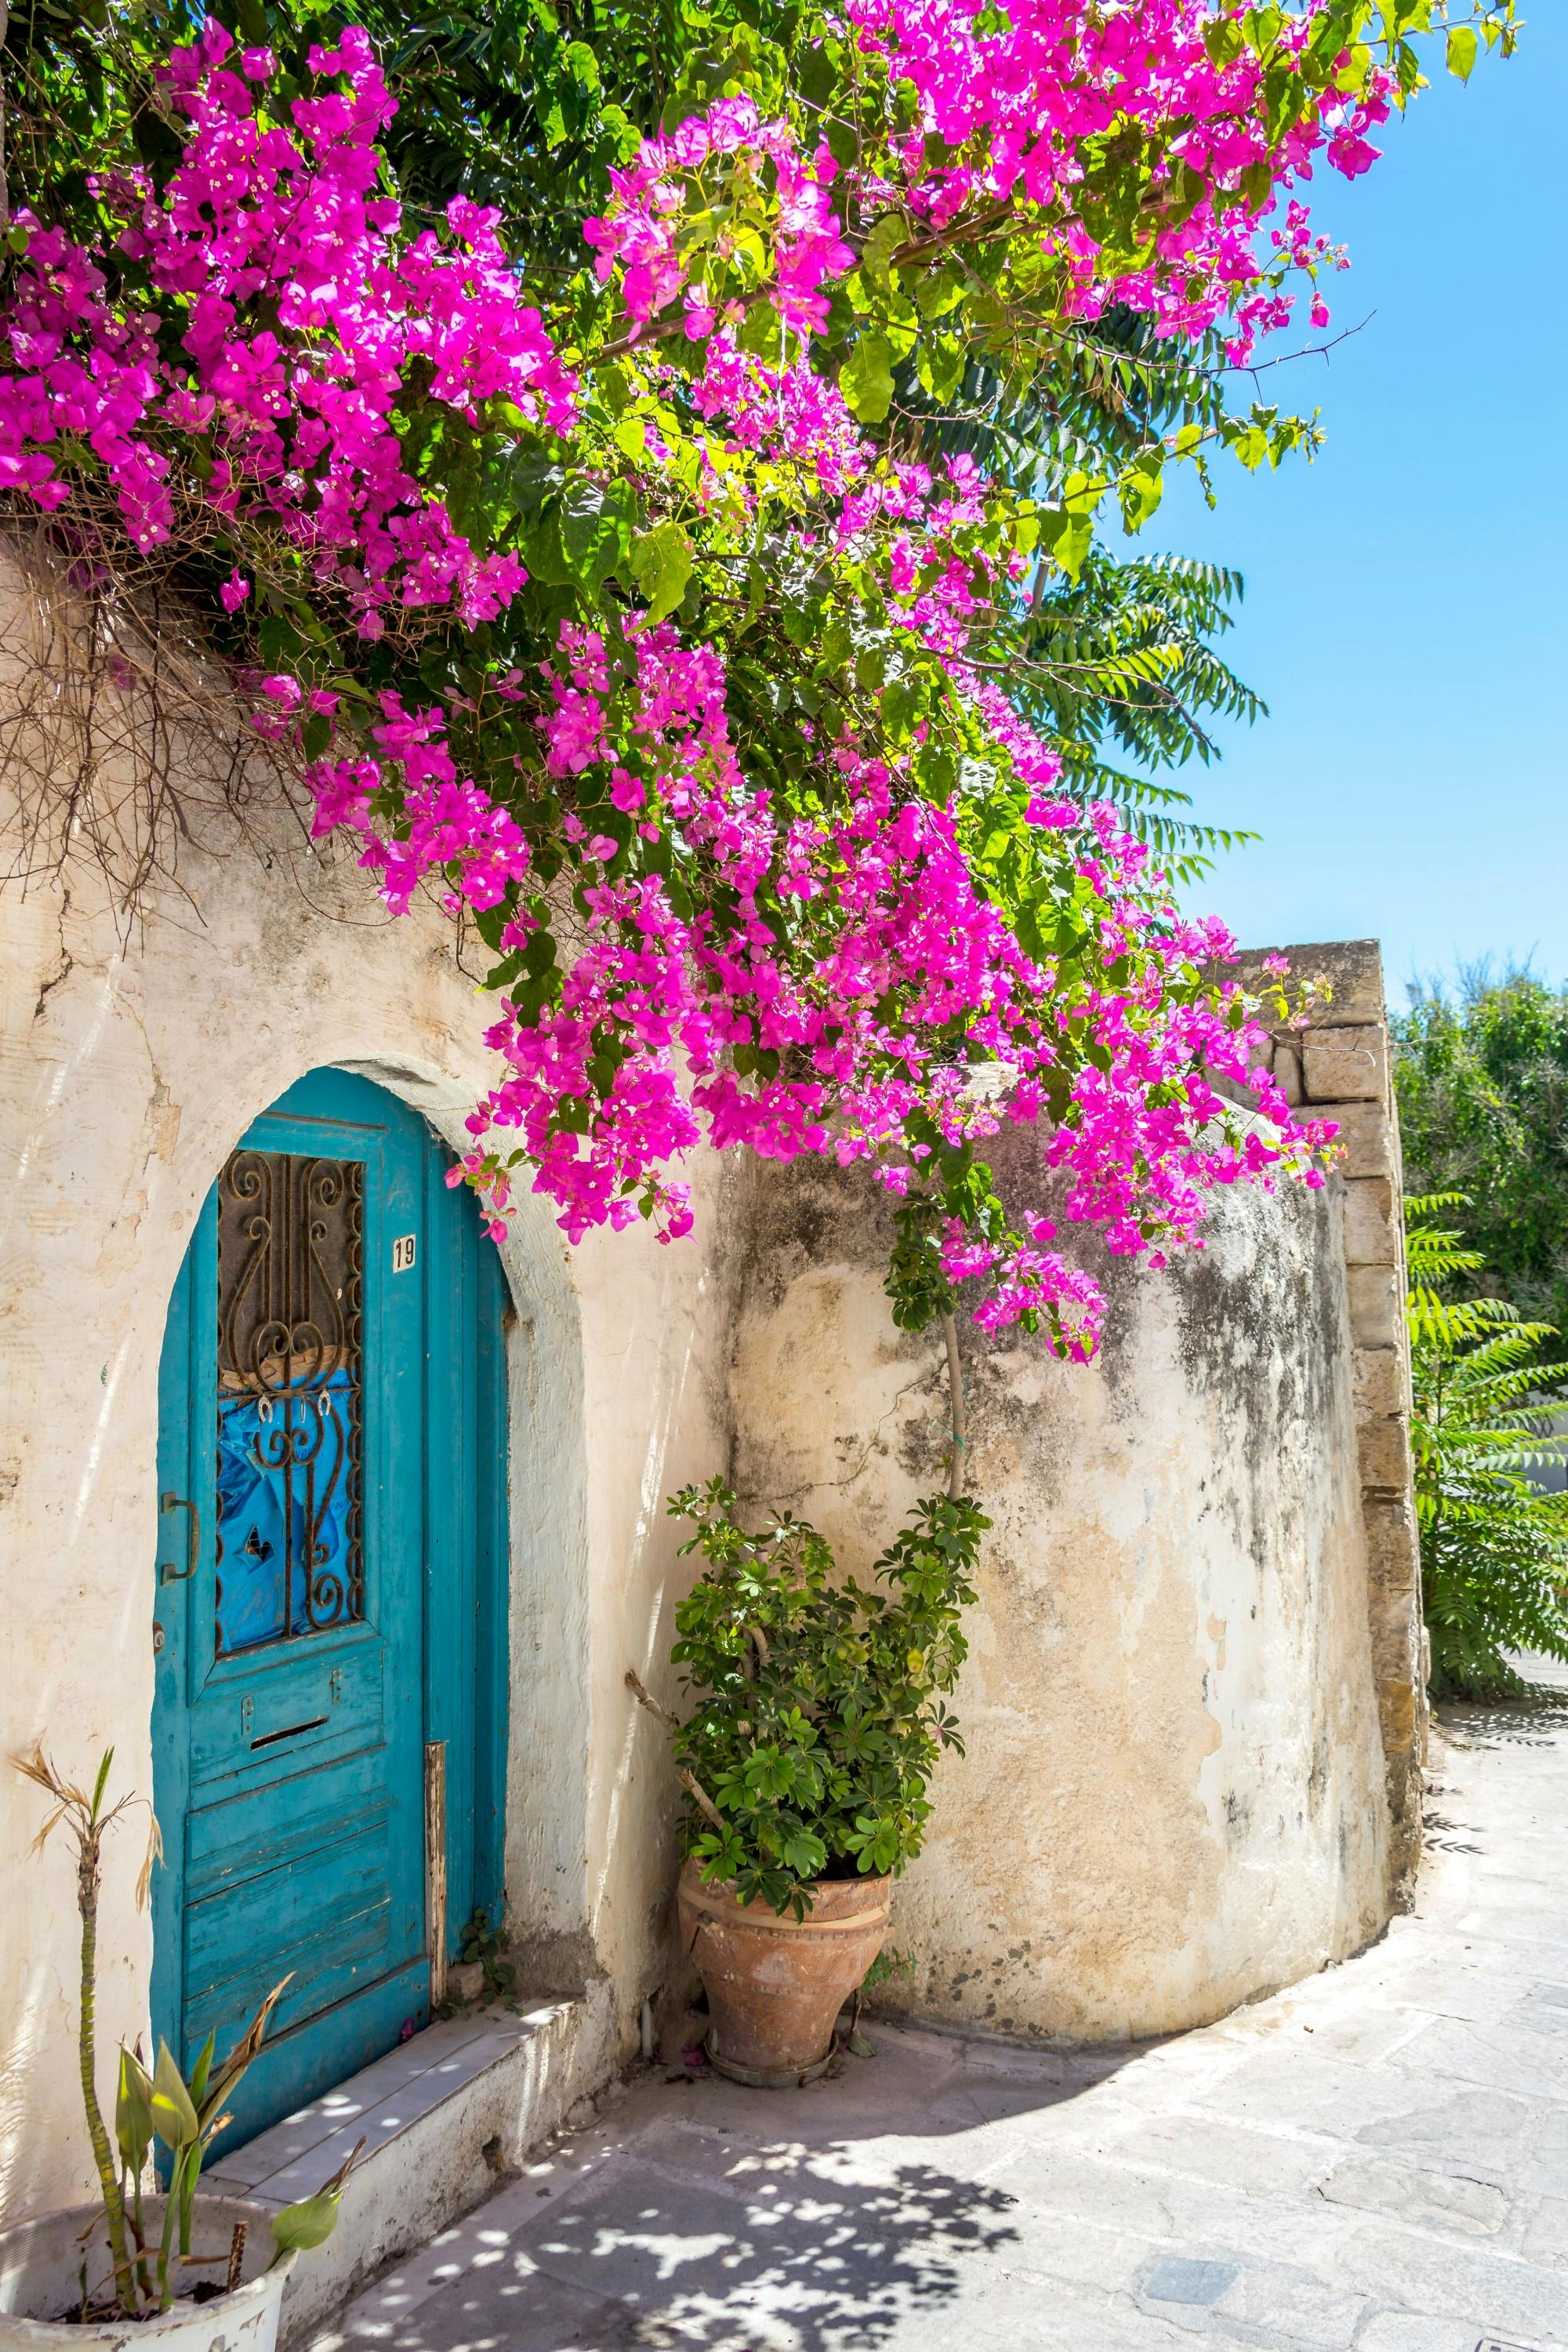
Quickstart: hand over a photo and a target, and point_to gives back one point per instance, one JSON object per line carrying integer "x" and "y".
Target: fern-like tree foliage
{"x": 1117, "y": 667}
{"x": 1482, "y": 1073}
{"x": 1494, "y": 1542}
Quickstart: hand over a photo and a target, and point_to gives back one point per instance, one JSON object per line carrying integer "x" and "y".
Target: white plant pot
{"x": 40, "y": 2269}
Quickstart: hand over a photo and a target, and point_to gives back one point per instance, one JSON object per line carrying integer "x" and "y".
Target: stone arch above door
{"x": 125, "y": 1094}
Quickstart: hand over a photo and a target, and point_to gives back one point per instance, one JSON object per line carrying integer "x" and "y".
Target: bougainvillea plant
{"x": 617, "y": 604}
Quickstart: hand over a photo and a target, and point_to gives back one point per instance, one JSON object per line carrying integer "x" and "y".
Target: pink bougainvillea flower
{"x": 833, "y": 978}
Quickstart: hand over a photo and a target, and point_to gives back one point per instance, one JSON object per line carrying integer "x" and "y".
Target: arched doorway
{"x": 330, "y": 1619}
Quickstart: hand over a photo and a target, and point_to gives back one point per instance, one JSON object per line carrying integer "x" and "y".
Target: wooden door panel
{"x": 227, "y": 1848}
{"x": 261, "y": 1724}
{"x": 304, "y": 2060}
{"x": 323, "y": 1919}
{"x": 300, "y": 1737}
{"x": 341, "y": 1606}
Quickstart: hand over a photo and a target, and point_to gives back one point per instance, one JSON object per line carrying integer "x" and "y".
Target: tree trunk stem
{"x": 103, "y": 2153}
{"x": 958, "y": 1433}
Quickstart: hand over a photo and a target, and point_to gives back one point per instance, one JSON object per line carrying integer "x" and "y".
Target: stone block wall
{"x": 1339, "y": 1067}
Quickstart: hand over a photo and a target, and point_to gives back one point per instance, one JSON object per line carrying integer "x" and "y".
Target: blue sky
{"x": 1406, "y": 612}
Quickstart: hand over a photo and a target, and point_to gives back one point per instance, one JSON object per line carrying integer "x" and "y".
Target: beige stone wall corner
{"x": 1340, "y": 1067}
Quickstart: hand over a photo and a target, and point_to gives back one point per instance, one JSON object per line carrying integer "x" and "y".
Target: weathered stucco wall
{"x": 130, "y": 1066}
{"x": 1173, "y": 1793}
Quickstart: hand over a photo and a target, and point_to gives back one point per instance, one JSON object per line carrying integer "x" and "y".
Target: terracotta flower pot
{"x": 776, "y": 1986}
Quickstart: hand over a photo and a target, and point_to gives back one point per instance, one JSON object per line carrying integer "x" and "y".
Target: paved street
{"x": 1377, "y": 2159}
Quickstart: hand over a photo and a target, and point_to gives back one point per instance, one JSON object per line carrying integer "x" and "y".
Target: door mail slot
{"x": 271, "y": 1739}
{"x": 296, "y": 1706}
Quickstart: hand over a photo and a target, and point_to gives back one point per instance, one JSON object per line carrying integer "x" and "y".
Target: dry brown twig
{"x": 689, "y": 1779}
{"x": 123, "y": 739}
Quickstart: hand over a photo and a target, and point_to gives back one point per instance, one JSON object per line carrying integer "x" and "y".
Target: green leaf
{"x": 1462, "y": 51}
{"x": 309, "y": 2223}
{"x": 1257, "y": 185}
{"x": 595, "y": 524}
{"x": 1142, "y": 492}
{"x": 817, "y": 74}
{"x": 843, "y": 142}
{"x": 865, "y": 379}
{"x": 1262, "y": 28}
{"x": 938, "y": 290}
{"x": 662, "y": 566}
{"x": 1068, "y": 537}
{"x": 940, "y": 367}
{"x": 134, "y": 2112}
{"x": 900, "y": 705}
{"x": 886, "y": 236}
{"x": 583, "y": 64}
{"x": 203, "y": 2068}
{"x": 539, "y": 955}
{"x": 173, "y": 2111}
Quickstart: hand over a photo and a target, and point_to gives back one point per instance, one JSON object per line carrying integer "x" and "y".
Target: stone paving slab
{"x": 1374, "y": 2161}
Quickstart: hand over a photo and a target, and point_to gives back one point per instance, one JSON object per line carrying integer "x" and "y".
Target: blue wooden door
{"x": 330, "y": 1578}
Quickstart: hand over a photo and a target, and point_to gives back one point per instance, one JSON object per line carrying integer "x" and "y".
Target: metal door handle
{"x": 167, "y": 1575}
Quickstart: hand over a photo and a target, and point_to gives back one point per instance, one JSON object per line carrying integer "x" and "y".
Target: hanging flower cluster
{"x": 295, "y": 417}
{"x": 642, "y": 233}
{"x": 894, "y": 933}
{"x": 856, "y": 942}
{"x": 1010, "y": 107}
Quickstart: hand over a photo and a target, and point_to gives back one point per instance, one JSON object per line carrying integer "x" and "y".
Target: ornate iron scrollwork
{"x": 290, "y": 1288}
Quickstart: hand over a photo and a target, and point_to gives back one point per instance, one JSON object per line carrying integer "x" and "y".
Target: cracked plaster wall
{"x": 129, "y": 1068}
{"x": 1173, "y": 1797}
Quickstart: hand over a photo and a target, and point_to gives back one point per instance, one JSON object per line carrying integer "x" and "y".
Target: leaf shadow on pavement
{"x": 1538, "y": 1717}
{"x": 792, "y": 2258}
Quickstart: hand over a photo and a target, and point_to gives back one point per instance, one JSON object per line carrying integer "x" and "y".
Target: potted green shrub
{"x": 819, "y": 1716}
{"x": 188, "y": 2273}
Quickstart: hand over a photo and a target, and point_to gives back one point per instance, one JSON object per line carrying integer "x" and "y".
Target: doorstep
{"x": 443, "y": 2116}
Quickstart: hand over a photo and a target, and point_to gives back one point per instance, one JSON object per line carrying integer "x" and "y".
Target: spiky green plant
{"x": 1494, "y": 1542}
{"x": 185, "y": 2116}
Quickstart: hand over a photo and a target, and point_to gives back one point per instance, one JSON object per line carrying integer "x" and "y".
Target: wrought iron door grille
{"x": 291, "y": 1276}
